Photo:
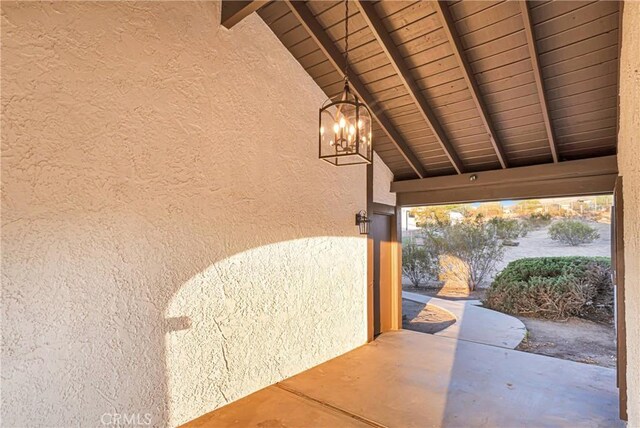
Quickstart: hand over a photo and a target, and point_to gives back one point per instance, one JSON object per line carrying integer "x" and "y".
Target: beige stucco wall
{"x": 170, "y": 241}
{"x": 629, "y": 167}
{"x": 382, "y": 178}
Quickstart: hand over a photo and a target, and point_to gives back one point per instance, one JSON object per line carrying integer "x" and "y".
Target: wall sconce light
{"x": 362, "y": 221}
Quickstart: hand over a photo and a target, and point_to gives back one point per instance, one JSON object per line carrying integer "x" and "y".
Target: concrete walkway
{"x": 406, "y": 379}
{"x": 475, "y": 323}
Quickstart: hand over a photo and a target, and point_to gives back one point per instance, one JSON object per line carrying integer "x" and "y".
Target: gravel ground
{"x": 538, "y": 244}
{"x": 575, "y": 339}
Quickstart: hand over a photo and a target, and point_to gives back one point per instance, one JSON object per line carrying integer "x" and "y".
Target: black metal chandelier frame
{"x": 348, "y": 146}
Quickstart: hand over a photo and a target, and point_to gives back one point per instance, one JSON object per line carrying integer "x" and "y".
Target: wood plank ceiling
{"x": 467, "y": 86}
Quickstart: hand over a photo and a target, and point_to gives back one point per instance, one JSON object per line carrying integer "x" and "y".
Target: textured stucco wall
{"x": 629, "y": 167}
{"x": 170, "y": 241}
{"x": 382, "y": 178}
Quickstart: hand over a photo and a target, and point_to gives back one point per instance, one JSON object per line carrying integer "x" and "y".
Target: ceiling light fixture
{"x": 345, "y": 122}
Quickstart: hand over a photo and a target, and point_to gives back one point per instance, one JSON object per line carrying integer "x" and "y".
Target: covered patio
{"x": 176, "y": 250}
{"x": 409, "y": 379}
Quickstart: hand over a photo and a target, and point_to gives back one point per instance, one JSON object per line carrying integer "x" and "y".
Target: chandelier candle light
{"x": 345, "y": 122}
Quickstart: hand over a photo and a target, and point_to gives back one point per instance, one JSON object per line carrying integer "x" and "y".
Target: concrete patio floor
{"x": 409, "y": 379}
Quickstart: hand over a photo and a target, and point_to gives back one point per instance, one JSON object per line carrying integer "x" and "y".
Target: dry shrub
{"x": 538, "y": 220}
{"x": 473, "y": 243}
{"x": 601, "y": 305}
{"x": 509, "y": 229}
{"x": 419, "y": 264}
{"x": 554, "y": 288}
{"x": 573, "y": 232}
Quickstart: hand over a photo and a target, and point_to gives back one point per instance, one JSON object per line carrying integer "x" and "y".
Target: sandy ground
{"x": 538, "y": 244}
{"x": 425, "y": 318}
{"x": 576, "y": 340}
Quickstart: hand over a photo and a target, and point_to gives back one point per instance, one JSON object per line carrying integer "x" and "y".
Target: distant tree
{"x": 437, "y": 214}
{"x": 529, "y": 206}
{"x": 490, "y": 209}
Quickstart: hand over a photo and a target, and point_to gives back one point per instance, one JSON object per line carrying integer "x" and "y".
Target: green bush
{"x": 418, "y": 263}
{"x": 553, "y": 287}
{"x": 572, "y": 232}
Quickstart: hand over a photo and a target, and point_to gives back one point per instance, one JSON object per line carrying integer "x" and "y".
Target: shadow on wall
{"x": 261, "y": 316}
{"x": 116, "y": 328}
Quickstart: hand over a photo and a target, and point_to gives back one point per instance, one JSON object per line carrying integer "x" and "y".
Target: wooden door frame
{"x": 617, "y": 262}
{"x": 390, "y": 315}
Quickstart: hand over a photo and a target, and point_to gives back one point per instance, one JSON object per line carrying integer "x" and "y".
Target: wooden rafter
{"x": 368, "y": 12}
{"x": 317, "y": 33}
{"x": 537, "y": 72}
{"x": 454, "y": 40}
{"x": 236, "y": 10}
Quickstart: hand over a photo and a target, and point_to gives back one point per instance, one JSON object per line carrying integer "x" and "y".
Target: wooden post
{"x": 370, "y": 308}
{"x": 397, "y": 236}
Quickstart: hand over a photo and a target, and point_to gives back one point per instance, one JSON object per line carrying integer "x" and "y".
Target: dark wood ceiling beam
{"x": 537, "y": 72}
{"x": 449, "y": 27}
{"x": 368, "y": 12}
{"x": 317, "y": 33}
{"x": 234, "y": 11}
{"x": 605, "y": 165}
{"x": 561, "y": 187}
{"x": 569, "y": 178}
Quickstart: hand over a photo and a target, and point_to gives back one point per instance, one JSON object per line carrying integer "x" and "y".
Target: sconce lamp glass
{"x": 362, "y": 221}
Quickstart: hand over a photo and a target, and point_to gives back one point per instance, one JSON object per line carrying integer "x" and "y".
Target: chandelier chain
{"x": 346, "y": 40}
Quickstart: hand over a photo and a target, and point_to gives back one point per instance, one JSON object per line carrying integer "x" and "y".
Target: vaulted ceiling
{"x": 466, "y": 86}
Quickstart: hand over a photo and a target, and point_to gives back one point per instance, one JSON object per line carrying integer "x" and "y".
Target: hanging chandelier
{"x": 345, "y": 122}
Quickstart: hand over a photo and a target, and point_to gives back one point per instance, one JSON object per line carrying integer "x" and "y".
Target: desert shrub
{"x": 407, "y": 240}
{"x": 473, "y": 242}
{"x": 418, "y": 263}
{"x": 508, "y": 229}
{"x": 538, "y": 220}
{"x": 572, "y": 232}
{"x": 602, "y": 303}
{"x": 553, "y": 287}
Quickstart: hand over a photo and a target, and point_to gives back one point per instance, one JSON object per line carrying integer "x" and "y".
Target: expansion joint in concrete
{"x": 331, "y": 407}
